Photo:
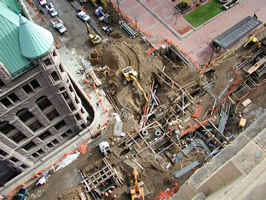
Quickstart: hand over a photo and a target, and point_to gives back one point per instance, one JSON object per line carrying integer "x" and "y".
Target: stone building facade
{"x": 39, "y": 107}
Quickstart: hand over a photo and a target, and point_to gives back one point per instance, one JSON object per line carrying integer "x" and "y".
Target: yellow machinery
{"x": 130, "y": 75}
{"x": 104, "y": 2}
{"x": 252, "y": 40}
{"x": 94, "y": 38}
{"x": 137, "y": 191}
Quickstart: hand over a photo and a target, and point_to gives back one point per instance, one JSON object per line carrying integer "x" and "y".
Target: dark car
{"x": 21, "y": 195}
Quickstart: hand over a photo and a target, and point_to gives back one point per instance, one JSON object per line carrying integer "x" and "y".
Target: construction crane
{"x": 130, "y": 75}
{"x": 137, "y": 191}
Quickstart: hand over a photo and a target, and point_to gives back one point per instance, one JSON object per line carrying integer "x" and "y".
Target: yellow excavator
{"x": 130, "y": 75}
{"x": 251, "y": 41}
{"x": 136, "y": 191}
{"x": 93, "y": 37}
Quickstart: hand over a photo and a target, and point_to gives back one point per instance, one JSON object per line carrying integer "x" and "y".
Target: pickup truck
{"x": 58, "y": 25}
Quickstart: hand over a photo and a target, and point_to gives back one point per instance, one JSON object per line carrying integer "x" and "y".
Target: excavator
{"x": 136, "y": 191}
{"x": 130, "y": 75}
{"x": 251, "y": 41}
{"x": 93, "y": 37}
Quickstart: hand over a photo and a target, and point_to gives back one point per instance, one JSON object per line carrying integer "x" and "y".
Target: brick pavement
{"x": 197, "y": 42}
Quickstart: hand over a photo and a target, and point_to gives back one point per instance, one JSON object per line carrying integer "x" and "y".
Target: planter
{"x": 183, "y": 7}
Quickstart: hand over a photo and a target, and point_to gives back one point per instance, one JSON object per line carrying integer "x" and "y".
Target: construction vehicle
{"x": 251, "y": 41}
{"x": 130, "y": 75}
{"x": 104, "y": 70}
{"x": 137, "y": 191}
{"x": 93, "y": 38}
{"x": 105, "y": 148}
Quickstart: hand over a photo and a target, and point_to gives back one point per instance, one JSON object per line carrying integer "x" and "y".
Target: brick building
{"x": 39, "y": 107}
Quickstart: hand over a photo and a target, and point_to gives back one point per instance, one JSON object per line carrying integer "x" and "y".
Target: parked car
{"x": 42, "y": 2}
{"x": 59, "y": 25}
{"x": 53, "y": 13}
{"x": 50, "y": 7}
{"x": 21, "y": 195}
{"x": 83, "y": 16}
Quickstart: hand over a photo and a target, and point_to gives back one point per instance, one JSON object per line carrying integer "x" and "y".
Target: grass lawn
{"x": 204, "y": 13}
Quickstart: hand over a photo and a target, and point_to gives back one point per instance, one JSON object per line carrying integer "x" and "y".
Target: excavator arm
{"x": 139, "y": 86}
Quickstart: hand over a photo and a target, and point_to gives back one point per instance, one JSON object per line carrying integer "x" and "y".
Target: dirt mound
{"x": 113, "y": 58}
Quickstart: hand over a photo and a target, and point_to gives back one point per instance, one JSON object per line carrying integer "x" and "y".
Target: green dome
{"x": 34, "y": 40}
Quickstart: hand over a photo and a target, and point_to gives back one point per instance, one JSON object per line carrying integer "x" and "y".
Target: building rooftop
{"x": 20, "y": 39}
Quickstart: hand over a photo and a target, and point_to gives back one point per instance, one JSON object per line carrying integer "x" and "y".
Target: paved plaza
{"x": 159, "y": 18}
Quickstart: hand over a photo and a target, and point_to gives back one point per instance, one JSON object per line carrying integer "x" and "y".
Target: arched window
{"x": 24, "y": 115}
{"x": 43, "y": 102}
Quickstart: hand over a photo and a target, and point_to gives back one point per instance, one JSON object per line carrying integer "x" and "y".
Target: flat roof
{"x": 236, "y": 32}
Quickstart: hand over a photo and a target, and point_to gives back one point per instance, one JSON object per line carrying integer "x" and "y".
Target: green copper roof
{"x": 13, "y": 5}
{"x": 35, "y": 41}
{"x": 10, "y": 54}
{"x": 20, "y": 39}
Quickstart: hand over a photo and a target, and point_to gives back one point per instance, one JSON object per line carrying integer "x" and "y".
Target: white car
{"x": 53, "y": 13}
{"x": 59, "y": 25}
{"x": 42, "y": 2}
{"x": 50, "y": 7}
{"x": 83, "y": 16}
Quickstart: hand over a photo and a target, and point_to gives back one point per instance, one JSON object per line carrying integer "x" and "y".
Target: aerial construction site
{"x": 168, "y": 117}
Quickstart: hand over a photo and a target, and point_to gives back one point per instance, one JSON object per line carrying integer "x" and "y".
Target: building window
{"x": 65, "y": 95}
{"x": 24, "y": 166}
{"x": 5, "y": 127}
{"x": 13, "y": 97}
{"x": 47, "y": 61}
{"x": 27, "y": 89}
{"x": 43, "y": 102}
{"x": 45, "y": 135}
{"x": 62, "y": 89}
{"x": 35, "y": 84}
{"x": 6, "y": 102}
{"x": 50, "y": 145}
{"x": 2, "y": 84}
{"x": 18, "y": 137}
{"x": 69, "y": 131}
{"x": 35, "y": 155}
{"x": 64, "y": 135}
{"x": 29, "y": 146}
{"x": 55, "y": 142}
{"x": 13, "y": 159}
{"x": 70, "y": 88}
{"x": 55, "y": 76}
{"x": 60, "y": 125}
{"x": 76, "y": 99}
{"x": 77, "y": 116}
{"x": 3, "y": 153}
{"x": 40, "y": 151}
{"x": 54, "y": 53}
{"x": 52, "y": 115}
{"x": 36, "y": 125}
{"x": 24, "y": 115}
{"x": 71, "y": 106}
{"x": 61, "y": 68}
